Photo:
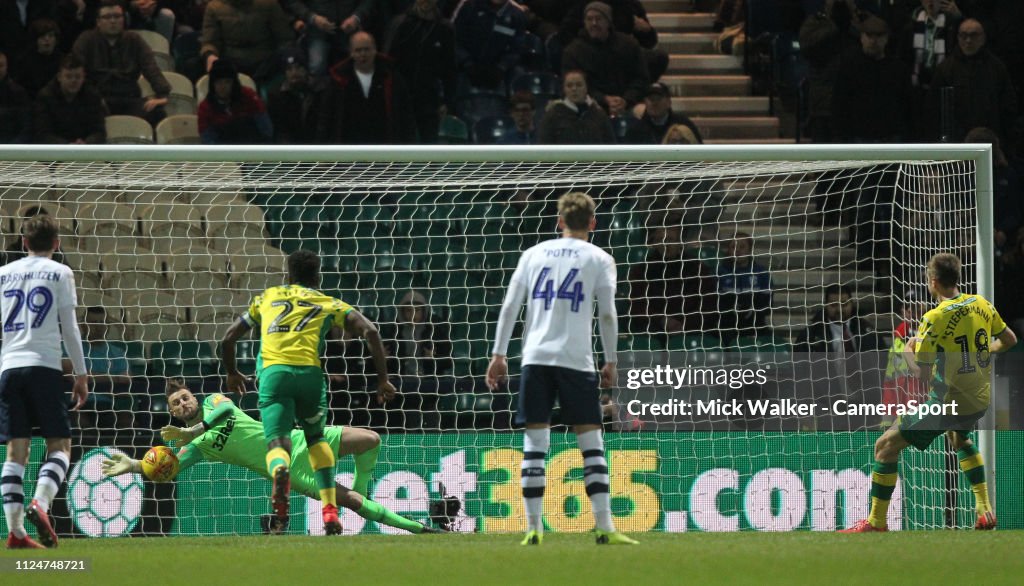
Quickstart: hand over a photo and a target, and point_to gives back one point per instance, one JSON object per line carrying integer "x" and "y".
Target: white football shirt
{"x": 37, "y": 309}
{"x": 560, "y": 280}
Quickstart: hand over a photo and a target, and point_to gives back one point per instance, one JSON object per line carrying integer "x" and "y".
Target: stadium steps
{"x": 680, "y": 21}
{"x": 708, "y": 85}
{"x": 720, "y": 64}
{"x": 737, "y": 127}
{"x": 722, "y": 105}
{"x": 699, "y": 43}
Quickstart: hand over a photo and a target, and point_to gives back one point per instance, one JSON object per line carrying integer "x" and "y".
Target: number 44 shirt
{"x": 563, "y": 278}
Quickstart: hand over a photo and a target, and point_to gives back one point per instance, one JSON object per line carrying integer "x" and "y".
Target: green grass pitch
{"x": 923, "y": 557}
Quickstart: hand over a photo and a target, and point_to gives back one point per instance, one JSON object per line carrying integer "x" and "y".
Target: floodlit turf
{"x": 932, "y": 557}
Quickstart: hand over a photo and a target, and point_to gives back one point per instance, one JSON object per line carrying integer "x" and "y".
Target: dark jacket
{"x": 658, "y": 130}
{"x": 59, "y": 121}
{"x": 15, "y": 113}
{"x": 434, "y": 337}
{"x": 872, "y": 99}
{"x": 15, "y": 37}
{"x": 614, "y": 67}
{"x": 565, "y": 123}
{"x": 244, "y": 121}
{"x": 334, "y": 10}
{"x": 294, "y": 113}
{"x": 348, "y": 117}
{"x": 683, "y": 289}
{"x": 34, "y": 70}
{"x": 114, "y": 69}
{"x": 424, "y": 54}
{"x": 819, "y": 337}
{"x": 488, "y": 38}
{"x": 983, "y": 92}
{"x": 248, "y": 32}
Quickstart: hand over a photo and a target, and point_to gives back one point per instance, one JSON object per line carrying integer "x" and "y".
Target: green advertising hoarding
{"x": 659, "y": 481}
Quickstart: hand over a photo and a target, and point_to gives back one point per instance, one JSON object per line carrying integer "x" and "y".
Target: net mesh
{"x": 168, "y": 254}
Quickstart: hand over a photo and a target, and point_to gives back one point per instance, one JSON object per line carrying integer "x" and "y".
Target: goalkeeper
{"x": 221, "y": 432}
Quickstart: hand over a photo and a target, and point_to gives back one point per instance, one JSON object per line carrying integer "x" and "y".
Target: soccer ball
{"x": 160, "y": 464}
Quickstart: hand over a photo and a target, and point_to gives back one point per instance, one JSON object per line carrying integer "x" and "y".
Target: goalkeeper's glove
{"x": 171, "y": 433}
{"x": 119, "y": 464}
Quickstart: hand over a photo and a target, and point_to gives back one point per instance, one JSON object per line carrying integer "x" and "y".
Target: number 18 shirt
{"x": 563, "y": 278}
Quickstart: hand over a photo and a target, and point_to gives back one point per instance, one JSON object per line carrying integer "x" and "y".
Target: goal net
{"x": 768, "y": 279}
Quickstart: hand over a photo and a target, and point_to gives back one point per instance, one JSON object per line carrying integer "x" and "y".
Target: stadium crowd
{"x": 529, "y": 72}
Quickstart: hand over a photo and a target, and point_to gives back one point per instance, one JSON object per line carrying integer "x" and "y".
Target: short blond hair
{"x": 945, "y": 268}
{"x": 576, "y": 209}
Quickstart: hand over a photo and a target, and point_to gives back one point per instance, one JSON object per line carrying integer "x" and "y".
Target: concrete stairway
{"x": 709, "y": 87}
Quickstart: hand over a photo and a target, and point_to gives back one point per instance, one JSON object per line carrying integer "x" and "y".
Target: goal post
{"x": 175, "y": 240}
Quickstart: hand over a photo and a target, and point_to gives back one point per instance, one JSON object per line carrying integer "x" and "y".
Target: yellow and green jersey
{"x": 235, "y": 438}
{"x": 293, "y": 322}
{"x": 955, "y": 338}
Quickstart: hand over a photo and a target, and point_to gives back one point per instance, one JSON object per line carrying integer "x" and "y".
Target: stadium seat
{"x": 178, "y": 129}
{"x": 691, "y": 343}
{"x": 203, "y": 85}
{"x": 153, "y": 316}
{"x": 475, "y": 107}
{"x": 182, "y": 358}
{"x": 210, "y": 321}
{"x": 543, "y": 85}
{"x": 246, "y": 352}
{"x": 128, "y": 130}
{"x": 629, "y": 130}
{"x": 157, "y": 42}
{"x": 197, "y": 271}
{"x": 182, "y": 98}
{"x": 642, "y": 343}
{"x": 453, "y": 131}
{"x": 135, "y": 352}
{"x": 107, "y": 220}
{"x": 228, "y": 224}
{"x": 492, "y": 130}
{"x": 533, "y": 53}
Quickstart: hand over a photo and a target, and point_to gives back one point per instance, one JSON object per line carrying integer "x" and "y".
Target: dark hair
{"x": 944, "y": 268}
{"x": 838, "y": 290}
{"x": 43, "y": 26}
{"x": 40, "y": 231}
{"x": 174, "y": 385}
{"x": 110, "y": 4}
{"x": 71, "y": 61}
{"x": 572, "y": 71}
{"x": 304, "y": 268}
{"x": 522, "y": 97}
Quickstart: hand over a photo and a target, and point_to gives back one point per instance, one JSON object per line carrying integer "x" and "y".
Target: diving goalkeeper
{"x": 221, "y": 432}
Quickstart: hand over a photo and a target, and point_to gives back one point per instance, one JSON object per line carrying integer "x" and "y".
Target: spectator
{"x": 577, "y": 119}
{"x": 628, "y": 17}
{"x": 672, "y": 292}
{"x": 935, "y": 29}
{"x": 423, "y": 47}
{"x": 824, "y": 38}
{"x": 328, "y": 25}
{"x": 872, "y": 94}
{"x": 521, "y": 108}
{"x": 613, "y": 62}
{"x": 657, "y": 115}
{"x": 232, "y": 113}
{"x": 16, "y": 17}
{"x": 16, "y": 248}
{"x": 366, "y": 101}
{"x": 488, "y": 40}
{"x": 68, "y": 112}
{"x": 293, "y": 106}
{"x": 15, "y": 108}
{"x": 419, "y": 346}
{"x": 1007, "y": 193}
{"x": 188, "y": 14}
{"x": 982, "y": 92}
{"x": 1010, "y": 281}
{"x": 839, "y": 329}
{"x": 247, "y": 32}
{"x": 114, "y": 58}
{"x": 150, "y": 16}
{"x": 107, "y": 364}
{"x": 899, "y": 386}
{"x": 679, "y": 134}
{"x": 744, "y": 291}
{"x": 37, "y": 67}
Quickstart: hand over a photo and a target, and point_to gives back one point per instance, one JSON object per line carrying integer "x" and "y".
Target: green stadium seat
{"x": 135, "y": 352}
{"x": 182, "y": 358}
{"x": 691, "y": 343}
{"x": 246, "y": 352}
{"x": 641, "y": 343}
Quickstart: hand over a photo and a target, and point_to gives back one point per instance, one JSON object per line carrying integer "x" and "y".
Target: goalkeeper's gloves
{"x": 119, "y": 464}
{"x": 170, "y": 433}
